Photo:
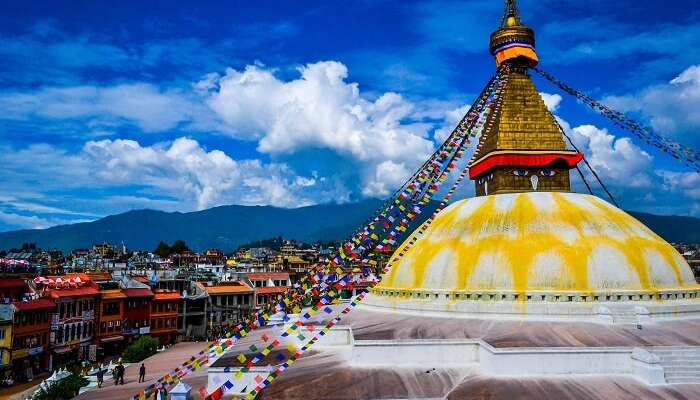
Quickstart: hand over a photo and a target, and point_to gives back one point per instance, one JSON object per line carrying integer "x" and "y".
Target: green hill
{"x": 227, "y": 227}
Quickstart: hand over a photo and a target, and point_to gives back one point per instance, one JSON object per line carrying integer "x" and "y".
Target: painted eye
{"x": 548, "y": 172}
{"x": 480, "y": 181}
{"x": 521, "y": 172}
{"x": 489, "y": 178}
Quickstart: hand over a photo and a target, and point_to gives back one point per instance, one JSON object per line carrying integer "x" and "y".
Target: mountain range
{"x": 227, "y": 227}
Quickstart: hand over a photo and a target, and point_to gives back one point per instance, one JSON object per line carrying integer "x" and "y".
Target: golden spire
{"x": 513, "y": 41}
{"x": 511, "y": 16}
{"x": 522, "y": 148}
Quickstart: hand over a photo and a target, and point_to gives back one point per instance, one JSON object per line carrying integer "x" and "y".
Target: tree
{"x": 65, "y": 389}
{"x": 141, "y": 349}
{"x": 179, "y": 247}
{"x": 163, "y": 250}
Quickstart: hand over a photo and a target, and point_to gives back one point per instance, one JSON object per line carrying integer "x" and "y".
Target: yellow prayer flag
{"x": 241, "y": 358}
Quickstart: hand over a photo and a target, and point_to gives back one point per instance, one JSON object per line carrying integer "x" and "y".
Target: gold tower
{"x": 522, "y": 148}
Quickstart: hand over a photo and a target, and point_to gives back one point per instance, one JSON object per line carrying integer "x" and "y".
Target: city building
{"x": 30, "y": 337}
{"x": 268, "y": 285}
{"x": 164, "y": 316}
{"x": 109, "y": 317}
{"x": 229, "y": 302}
{"x": 73, "y": 322}
{"x": 12, "y": 289}
{"x": 137, "y": 312}
{"x": 6, "y": 316}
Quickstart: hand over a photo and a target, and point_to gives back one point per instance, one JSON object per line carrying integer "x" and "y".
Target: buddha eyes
{"x": 544, "y": 172}
{"x": 489, "y": 178}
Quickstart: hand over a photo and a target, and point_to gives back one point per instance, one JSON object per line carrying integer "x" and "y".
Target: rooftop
{"x": 7, "y": 283}
{"x": 271, "y": 289}
{"x": 37, "y": 304}
{"x": 112, "y": 294}
{"x": 259, "y": 276}
{"x": 137, "y": 292}
{"x": 167, "y": 295}
{"x": 229, "y": 288}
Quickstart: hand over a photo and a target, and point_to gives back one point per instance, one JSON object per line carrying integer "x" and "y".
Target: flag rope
{"x": 435, "y": 175}
{"x": 264, "y": 382}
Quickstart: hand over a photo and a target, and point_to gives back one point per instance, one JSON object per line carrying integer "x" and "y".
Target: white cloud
{"x": 184, "y": 169}
{"x": 321, "y": 110}
{"x": 671, "y": 108}
{"x": 145, "y": 105}
{"x": 619, "y": 162}
{"x": 687, "y": 183}
{"x": 19, "y": 221}
{"x": 552, "y": 101}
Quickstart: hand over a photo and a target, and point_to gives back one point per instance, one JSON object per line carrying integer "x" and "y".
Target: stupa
{"x": 526, "y": 246}
{"x": 527, "y": 290}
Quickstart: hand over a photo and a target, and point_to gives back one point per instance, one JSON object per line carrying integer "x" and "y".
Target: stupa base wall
{"x": 626, "y": 311}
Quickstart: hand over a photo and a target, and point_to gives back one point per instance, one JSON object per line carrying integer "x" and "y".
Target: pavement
{"x": 156, "y": 366}
{"x": 21, "y": 391}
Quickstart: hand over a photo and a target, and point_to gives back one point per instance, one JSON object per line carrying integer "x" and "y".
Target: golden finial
{"x": 511, "y": 16}
{"x": 513, "y": 41}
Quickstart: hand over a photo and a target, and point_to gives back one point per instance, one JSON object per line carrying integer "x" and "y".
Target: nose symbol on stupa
{"x": 534, "y": 180}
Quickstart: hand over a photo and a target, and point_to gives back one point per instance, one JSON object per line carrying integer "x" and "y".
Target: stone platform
{"x": 384, "y": 355}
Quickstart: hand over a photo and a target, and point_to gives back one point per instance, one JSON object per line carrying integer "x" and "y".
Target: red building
{"x": 30, "y": 337}
{"x": 109, "y": 317}
{"x": 137, "y": 312}
{"x": 13, "y": 288}
{"x": 73, "y": 322}
{"x": 164, "y": 309}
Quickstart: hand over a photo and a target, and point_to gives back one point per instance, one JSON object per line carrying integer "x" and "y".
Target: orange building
{"x": 30, "y": 337}
{"x": 164, "y": 309}
{"x": 109, "y": 316}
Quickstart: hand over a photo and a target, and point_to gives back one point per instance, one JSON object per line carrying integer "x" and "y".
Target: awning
{"x": 524, "y": 158}
{"x": 112, "y": 339}
{"x": 64, "y": 350}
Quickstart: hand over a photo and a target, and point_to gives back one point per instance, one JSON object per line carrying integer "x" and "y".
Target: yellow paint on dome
{"x": 545, "y": 242}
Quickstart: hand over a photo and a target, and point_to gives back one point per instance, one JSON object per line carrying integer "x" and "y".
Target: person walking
{"x": 100, "y": 376}
{"x": 120, "y": 373}
{"x": 142, "y": 373}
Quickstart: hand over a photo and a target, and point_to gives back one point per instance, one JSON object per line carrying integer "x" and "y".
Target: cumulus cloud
{"x": 180, "y": 175}
{"x": 619, "y": 160}
{"x": 184, "y": 168}
{"x": 552, "y": 101}
{"x": 671, "y": 108}
{"x": 321, "y": 110}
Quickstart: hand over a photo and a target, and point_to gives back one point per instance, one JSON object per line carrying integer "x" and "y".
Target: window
{"x": 111, "y": 308}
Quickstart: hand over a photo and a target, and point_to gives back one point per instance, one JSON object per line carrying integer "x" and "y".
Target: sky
{"x": 183, "y": 106}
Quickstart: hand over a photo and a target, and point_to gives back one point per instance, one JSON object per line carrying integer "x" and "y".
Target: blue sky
{"x": 183, "y": 106}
